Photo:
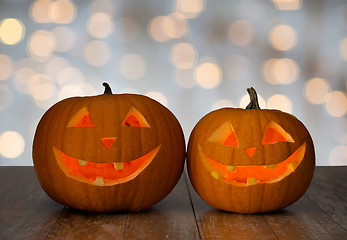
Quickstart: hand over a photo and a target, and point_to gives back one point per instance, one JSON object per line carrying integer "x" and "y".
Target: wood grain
{"x": 304, "y": 220}
{"x": 216, "y": 224}
{"x": 78, "y": 225}
{"x": 172, "y": 218}
{"x": 329, "y": 190}
{"x": 27, "y": 213}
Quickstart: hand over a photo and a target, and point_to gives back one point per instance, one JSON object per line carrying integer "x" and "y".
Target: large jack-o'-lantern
{"x": 250, "y": 160}
{"x": 110, "y": 152}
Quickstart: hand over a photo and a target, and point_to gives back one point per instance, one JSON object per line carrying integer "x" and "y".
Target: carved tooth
{"x": 215, "y": 174}
{"x": 271, "y": 166}
{"x": 99, "y": 181}
{"x": 251, "y": 181}
{"x": 230, "y": 168}
{"x": 118, "y": 165}
{"x": 82, "y": 163}
{"x": 292, "y": 165}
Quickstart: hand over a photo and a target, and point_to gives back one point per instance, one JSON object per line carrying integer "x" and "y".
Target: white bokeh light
{"x": 280, "y": 102}
{"x": 208, "y": 75}
{"x": 11, "y": 144}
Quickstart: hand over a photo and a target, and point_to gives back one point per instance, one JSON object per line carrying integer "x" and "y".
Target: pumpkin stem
{"x": 107, "y": 88}
{"x": 254, "y": 99}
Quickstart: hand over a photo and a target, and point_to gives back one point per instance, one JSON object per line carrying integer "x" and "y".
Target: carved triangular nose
{"x": 250, "y": 151}
{"x": 108, "y": 141}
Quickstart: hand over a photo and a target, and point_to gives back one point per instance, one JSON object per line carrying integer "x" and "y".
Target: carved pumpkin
{"x": 110, "y": 152}
{"x": 250, "y": 160}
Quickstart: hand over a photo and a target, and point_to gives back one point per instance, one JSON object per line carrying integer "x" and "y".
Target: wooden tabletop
{"x": 26, "y": 212}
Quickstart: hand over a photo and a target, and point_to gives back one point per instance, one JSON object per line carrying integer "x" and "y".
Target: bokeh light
{"x": 183, "y": 55}
{"x": 12, "y": 31}
{"x": 11, "y": 144}
{"x": 283, "y": 37}
{"x": 336, "y": 104}
{"x": 164, "y": 28}
{"x": 133, "y": 66}
{"x": 280, "y": 102}
{"x": 317, "y": 90}
{"x": 100, "y": 25}
{"x": 97, "y": 53}
{"x": 41, "y": 44}
{"x": 281, "y": 71}
{"x": 287, "y": 4}
{"x": 54, "y": 49}
{"x": 208, "y": 75}
{"x": 189, "y": 9}
{"x": 160, "y": 28}
{"x": 240, "y": 33}
{"x": 41, "y": 87}
{"x": 62, "y": 11}
{"x": 6, "y": 67}
{"x": 181, "y": 26}
{"x": 39, "y": 11}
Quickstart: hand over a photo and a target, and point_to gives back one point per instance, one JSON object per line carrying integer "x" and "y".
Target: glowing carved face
{"x": 248, "y": 174}
{"x": 104, "y": 173}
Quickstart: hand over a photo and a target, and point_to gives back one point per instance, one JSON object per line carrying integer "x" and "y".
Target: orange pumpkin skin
{"x": 231, "y": 175}
{"x": 103, "y": 140}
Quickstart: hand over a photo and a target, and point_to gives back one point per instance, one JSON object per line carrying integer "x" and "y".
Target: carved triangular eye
{"x": 275, "y": 133}
{"x": 224, "y": 135}
{"x": 135, "y": 119}
{"x": 81, "y": 119}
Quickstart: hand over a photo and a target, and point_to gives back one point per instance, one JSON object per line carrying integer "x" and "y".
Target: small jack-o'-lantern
{"x": 250, "y": 160}
{"x": 110, "y": 152}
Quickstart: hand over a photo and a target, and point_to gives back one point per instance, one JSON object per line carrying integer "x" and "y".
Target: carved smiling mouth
{"x": 250, "y": 175}
{"x": 103, "y": 174}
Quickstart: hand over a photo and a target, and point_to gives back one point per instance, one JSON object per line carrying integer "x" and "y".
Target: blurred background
{"x": 193, "y": 56}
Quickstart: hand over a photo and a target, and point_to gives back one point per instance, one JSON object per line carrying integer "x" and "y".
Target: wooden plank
{"x": 216, "y": 224}
{"x": 172, "y": 218}
{"x": 26, "y": 212}
{"x": 304, "y": 220}
{"x": 329, "y": 190}
{"x": 74, "y": 224}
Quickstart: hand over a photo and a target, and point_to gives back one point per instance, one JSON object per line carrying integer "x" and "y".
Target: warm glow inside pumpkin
{"x": 103, "y": 174}
{"x": 249, "y": 175}
{"x": 107, "y": 173}
{"x": 110, "y": 152}
{"x": 250, "y": 160}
